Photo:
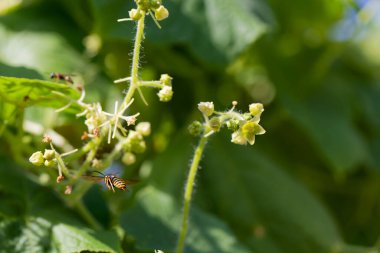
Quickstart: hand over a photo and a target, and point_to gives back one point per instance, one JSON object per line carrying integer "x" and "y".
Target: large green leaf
{"x": 259, "y": 197}
{"x": 26, "y": 92}
{"x": 328, "y": 119}
{"x": 72, "y": 239}
{"x": 30, "y": 235}
{"x": 155, "y": 220}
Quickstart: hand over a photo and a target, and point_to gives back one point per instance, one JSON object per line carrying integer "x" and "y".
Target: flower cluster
{"x": 166, "y": 92}
{"x": 51, "y": 158}
{"x": 134, "y": 143}
{"x": 96, "y": 119}
{"x": 245, "y": 126}
{"x": 149, "y": 6}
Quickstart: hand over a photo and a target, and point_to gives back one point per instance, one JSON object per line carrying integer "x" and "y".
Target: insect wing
{"x": 93, "y": 178}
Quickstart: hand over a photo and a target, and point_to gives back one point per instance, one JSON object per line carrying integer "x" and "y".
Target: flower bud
{"x": 207, "y": 108}
{"x": 37, "y": 158}
{"x": 215, "y": 124}
{"x": 128, "y": 158}
{"x": 47, "y": 139}
{"x": 97, "y": 164}
{"x": 161, "y": 13}
{"x": 165, "y": 94}
{"x": 238, "y": 138}
{"x": 68, "y": 189}
{"x": 135, "y": 143}
{"x": 232, "y": 124}
{"x": 139, "y": 148}
{"x": 49, "y": 163}
{"x": 135, "y": 14}
{"x": 49, "y": 154}
{"x": 155, "y": 3}
{"x": 165, "y": 79}
{"x": 195, "y": 128}
{"x": 143, "y": 128}
{"x": 256, "y": 109}
{"x": 60, "y": 178}
{"x": 247, "y": 116}
{"x": 248, "y": 132}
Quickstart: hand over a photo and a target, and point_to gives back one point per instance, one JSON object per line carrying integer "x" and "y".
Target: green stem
{"x": 135, "y": 61}
{"x": 153, "y": 84}
{"x": 188, "y": 193}
{"x": 86, "y": 215}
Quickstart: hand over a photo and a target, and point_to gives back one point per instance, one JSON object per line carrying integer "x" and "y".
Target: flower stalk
{"x": 189, "y": 186}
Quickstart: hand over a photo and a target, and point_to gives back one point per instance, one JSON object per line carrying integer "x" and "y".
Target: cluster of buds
{"x": 47, "y": 158}
{"x": 149, "y": 6}
{"x": 166, "y": 92}
{"x": 134, "y": 143}
{"x": 50, "y": 158}
{"x": 244, "y": 126}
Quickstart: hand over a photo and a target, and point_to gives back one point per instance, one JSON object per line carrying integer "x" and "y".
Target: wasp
{"x": 111, "y": 181}
{"x": 62, "y": 77}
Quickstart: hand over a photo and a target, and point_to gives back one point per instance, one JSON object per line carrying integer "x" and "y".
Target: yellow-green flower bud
{"x": 37, "y": 158}
{"x": 195, "y": 128}
{"x": 97, "y": 164}
{"x": 247, "y": 116}
{"x": 143, "y": 128}
{"x": 165, "y": 79}
{"x": 49, "y": 154}
{"x": 207, "y": 108}
{"x": 128, "y": 158}
{"x": 135, "y": 143}
{"x": 165, "y": 94}
{"x": 248, "y": 132}
{"x": 256, "y": 109}
{"x": 161, "y": 13}
{"x": 238, "y": 138}
{"x": 50, "y": 163}
{"x": 155, "y": 3}
{"x": 135, "y": 14}
{"x": 44, "y": 178}
{"x": 232, "y": 124}
{"x": 139, "y": 148}
{"x": 215, "y": 124}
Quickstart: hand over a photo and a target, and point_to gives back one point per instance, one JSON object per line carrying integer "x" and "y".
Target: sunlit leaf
{"x": 26, "y": 92}
{"x": 72, "y": 239}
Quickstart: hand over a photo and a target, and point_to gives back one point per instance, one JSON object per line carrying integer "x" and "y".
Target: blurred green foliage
{"x": 311, "y": 184}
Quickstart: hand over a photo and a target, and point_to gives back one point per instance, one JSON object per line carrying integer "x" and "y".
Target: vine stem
{"x": 188, "y": 193}
{"x": 135, "y": 61}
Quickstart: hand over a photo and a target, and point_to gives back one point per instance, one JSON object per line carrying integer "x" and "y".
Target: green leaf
{"x": 26, "y": 92}
{"x": 155, "y": 219}
{"x": 328, "y": 120}
{"x": 29, "y": 235}
{"x": 72, "y": 239}
{"x": 264, "y": 203}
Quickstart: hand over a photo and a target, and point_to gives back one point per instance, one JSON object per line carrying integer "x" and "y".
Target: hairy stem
{"x": 135, "y": 61}
{"x": 188, "y": 193}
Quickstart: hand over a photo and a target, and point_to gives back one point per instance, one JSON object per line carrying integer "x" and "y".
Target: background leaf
{"x": 158, "y": 230}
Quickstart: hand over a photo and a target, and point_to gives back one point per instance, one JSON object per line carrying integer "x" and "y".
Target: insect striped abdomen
{"x": 119, "y": 183}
